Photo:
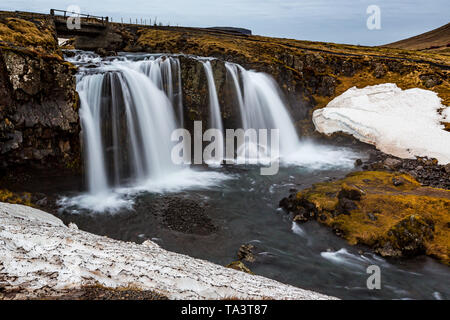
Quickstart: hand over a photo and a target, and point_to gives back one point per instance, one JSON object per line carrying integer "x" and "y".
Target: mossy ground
{"x": 267, "y": 48}
{"x": 390, "y": 205}
{"x": 37, "y": 35}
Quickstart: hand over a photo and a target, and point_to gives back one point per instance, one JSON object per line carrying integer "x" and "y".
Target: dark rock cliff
{"x": 39, "y": 125}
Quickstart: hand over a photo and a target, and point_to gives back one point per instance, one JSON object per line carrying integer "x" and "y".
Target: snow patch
{"x": 404, "y": 123}
{"x": 38, "y": 252}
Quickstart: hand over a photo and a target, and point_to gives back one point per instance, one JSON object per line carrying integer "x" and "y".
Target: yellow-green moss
{"x": 240, "y": 266}
{"x": 23, "y": 33}
{"x": 15, "y": 198}
{"x": 389, "y": 204}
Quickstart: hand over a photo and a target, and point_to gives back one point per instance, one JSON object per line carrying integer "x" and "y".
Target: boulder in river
{"x": 395, "y": 219}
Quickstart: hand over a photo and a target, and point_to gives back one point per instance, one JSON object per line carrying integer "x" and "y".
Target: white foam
{"x": 298, "y": 230}
{"x": 181, "y": 180}
{"x": 343, "y": 257}
{"x": 123, "y": 198}
{"x": 100, "y": 202}
{"x": 320, "y": 157}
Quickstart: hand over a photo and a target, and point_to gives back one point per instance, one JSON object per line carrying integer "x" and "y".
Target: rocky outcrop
{"x": 196, "y": 94}
{"x": 388, "y": 211}
{"x": 39, "y": 254}
{"x": 39, "y": 122}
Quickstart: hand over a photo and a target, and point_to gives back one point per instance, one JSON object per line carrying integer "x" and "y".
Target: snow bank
{"x": 37, "y": 252}
{"x": 404, "y": 123}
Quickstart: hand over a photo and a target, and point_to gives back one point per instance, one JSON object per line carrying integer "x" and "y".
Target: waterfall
{"x": 165, "y": 72}
{"x": 179, "y": 95}
{"x": 130, "y": 106}
{"x": 89, "y": 90}
{"x": 214, "y": 106}
{"x": 132, "y": 142}
{"x": 261, "y": 107}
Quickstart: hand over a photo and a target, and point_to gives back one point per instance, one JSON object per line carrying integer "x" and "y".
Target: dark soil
{"x": 94, "y": 293}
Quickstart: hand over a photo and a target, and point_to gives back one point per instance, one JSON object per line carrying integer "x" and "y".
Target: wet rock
{"x": 286, "y": 204}
{"x": 358, "y": 162}
{"x": 300, "y": 218}
{"x": 397, "y": 181}
{"x": 387, "y": 250}
{"x": 377, "y": 166}
{"x": 101, "y": 52}
{"x": 240, "y": 266}
{"x": 447, "y": 168}
{"x": 43, "y": 202}
{"x": 409, "y": 236}
{"x": 245, "y": 253}
{"x": 345, "y": 206}
{"x": 425, "y": 170}
{"x": 392, "y": 163}
{"x": 350, "y": 192}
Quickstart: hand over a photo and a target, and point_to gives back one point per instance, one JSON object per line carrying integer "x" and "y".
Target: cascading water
{"x": 214, "y": 106}
{"x": 128, "y": 114}
{"x": 261, "y": 106}
{"x": 147, "y": 112}
{"x": 129, "y": 108}
{"x": 90, "y": 96}
{"x": 166, "y": 74}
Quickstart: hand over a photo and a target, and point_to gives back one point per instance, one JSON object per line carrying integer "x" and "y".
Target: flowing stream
{"x": 130, "y": 105}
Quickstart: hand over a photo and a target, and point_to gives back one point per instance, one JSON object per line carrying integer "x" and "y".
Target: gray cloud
{"x": 342, "y": 21}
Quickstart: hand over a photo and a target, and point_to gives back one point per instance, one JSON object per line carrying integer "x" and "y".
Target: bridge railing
{"x": 65, "y": 14}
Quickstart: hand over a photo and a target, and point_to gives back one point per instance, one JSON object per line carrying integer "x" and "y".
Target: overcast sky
{"x": 340, "y": 21}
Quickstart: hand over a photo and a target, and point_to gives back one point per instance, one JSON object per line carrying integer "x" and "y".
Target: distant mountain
{"x": 434, "y": 40}
{"x": 233, "y": 30}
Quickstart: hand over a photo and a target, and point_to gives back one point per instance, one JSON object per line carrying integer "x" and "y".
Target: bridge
{"x": 90, "y": 25}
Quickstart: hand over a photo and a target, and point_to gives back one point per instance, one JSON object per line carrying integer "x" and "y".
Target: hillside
{"x": 437, "y": 40}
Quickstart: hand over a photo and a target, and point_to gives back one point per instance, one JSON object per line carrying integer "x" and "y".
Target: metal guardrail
{"x": 77, "y": 14}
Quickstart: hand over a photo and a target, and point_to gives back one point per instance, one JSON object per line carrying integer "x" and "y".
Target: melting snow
{"x": 38, "y": 252}
{"x": 404, "y": 123}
